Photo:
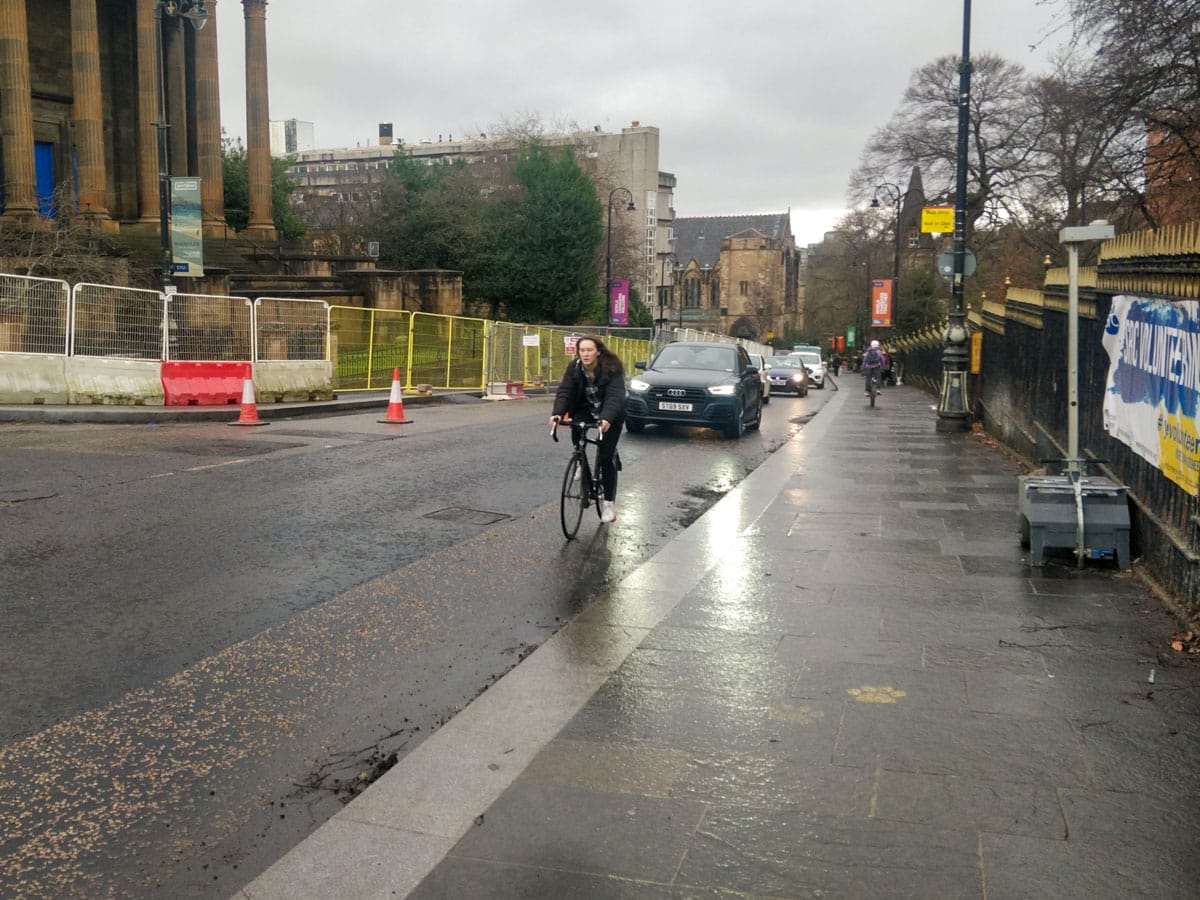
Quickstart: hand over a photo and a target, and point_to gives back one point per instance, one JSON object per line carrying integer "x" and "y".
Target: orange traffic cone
{"x": 249, "y": 414}
{"x": 395, "y": 410}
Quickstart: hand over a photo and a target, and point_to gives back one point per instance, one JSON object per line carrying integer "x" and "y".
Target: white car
{"x": 815, "y": 366}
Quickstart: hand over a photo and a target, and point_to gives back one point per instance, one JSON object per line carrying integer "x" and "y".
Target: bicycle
{"x": 581, "y": 485}
{"x": 873, "y": 385}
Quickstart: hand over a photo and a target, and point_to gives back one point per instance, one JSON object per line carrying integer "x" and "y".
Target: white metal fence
{"x": 118, "y": 322}
{"x": 34, "y": 315}
{"x": 202, "y": 327}
{"x": 49, "y": 317}
{"x": 285, "y": 328}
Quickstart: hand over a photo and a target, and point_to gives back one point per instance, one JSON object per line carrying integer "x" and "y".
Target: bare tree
{"x": 66, "y": 245}
{"x": 1147, "y": 67}
{"x": 1005, "y": 131}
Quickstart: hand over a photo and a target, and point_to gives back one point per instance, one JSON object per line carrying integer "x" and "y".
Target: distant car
{"x": 760, "y": 362}
{"x": 787, "y": 375}
{"x": 816, "y": 368}
{"x": 706, "y": 385}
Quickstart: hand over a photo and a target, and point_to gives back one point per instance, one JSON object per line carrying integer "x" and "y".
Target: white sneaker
{"x": 608, "y": 511}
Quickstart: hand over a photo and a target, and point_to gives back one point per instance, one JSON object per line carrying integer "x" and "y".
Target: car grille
{"x": 677, "y": 394}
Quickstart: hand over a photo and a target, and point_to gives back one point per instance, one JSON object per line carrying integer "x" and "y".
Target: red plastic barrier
{"x": 203, "y": 383}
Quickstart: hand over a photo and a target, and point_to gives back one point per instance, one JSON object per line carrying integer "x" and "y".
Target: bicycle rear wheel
{"x": 873, "y": 388}
{"x": 574, "y": 496}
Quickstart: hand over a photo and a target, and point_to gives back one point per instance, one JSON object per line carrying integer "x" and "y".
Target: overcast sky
{"x": 761, "y": 107}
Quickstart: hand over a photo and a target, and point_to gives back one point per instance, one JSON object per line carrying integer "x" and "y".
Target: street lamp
{"x": 194, "y": 12}
{"x": 608, "y": 256}
{"x": 893, "y": 193}
{"x": 662, "y": 298}
{"x": 677, "y": 280}
{"x": 953, "y": 414}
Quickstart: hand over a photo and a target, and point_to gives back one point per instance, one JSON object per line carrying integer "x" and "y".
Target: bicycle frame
{"x": 581, "y": 485}
{"x": 873, "y": 380}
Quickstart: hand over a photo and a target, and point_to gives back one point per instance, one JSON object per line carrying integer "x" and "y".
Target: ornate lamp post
{"x": 608, "y": 255}
{"x": 194, "y": 12}
{"x": 895, "y": 196}
{"x": 953, "y": 414}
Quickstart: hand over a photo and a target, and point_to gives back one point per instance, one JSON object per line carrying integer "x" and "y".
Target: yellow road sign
{"x": 938, "y": 219}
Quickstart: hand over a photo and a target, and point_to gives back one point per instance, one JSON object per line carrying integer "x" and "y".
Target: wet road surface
{"x": 215, "y": 639}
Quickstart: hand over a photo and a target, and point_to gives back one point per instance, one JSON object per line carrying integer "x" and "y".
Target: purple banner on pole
{"x": 618, "y": 295}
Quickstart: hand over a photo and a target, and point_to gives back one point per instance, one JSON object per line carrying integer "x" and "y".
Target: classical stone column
{"x": 89, "y": 115}
{"x": 258, "y": 123}
{"x": 147, "y": 113}
{"x": 208, "y": 126}
{"x": 177, "y": 106}
{"x": 16, "y": 113}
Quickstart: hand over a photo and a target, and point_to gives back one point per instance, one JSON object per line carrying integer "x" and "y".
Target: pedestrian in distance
{"x": 592, "y": 389}
{"x": 873, "y": 363}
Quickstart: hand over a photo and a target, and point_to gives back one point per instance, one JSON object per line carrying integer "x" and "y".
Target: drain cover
{"x": 470, "y": 516}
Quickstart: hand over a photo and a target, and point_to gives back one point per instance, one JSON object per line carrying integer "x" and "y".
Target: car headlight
{"x": 798, "y": 377}
{"x": 637, "y": 386}
{"x": 722, "y": 390}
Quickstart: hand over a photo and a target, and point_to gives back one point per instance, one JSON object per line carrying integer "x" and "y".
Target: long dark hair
{"x": 606, "y": 361}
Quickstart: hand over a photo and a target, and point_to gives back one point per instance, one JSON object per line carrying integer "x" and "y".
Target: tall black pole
{"x": 953, "y": 414}
{"x": 608, "y": 255}
{"x": 896, "y": 267}
{"x": 164, "y": 194}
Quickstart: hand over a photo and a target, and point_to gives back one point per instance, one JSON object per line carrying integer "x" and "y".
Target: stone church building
{"x": 736, "y": 275}
{"x": 81, "y": 109}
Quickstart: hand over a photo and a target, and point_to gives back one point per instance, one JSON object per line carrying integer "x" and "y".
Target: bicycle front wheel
{"x": 574, "y": 495}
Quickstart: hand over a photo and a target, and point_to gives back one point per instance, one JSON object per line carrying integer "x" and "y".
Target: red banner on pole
{"x": 619, "y": 302}
{"x": 881, "y": 303}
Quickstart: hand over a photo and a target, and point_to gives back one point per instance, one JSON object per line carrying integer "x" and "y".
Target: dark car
{"x": 787, "y": 375}
{"x": 707, "y": 385}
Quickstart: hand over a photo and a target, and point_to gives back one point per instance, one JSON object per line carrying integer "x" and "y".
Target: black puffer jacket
{"x": 571, "y": 396}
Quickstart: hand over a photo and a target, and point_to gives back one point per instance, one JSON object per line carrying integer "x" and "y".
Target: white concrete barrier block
{"x": 116, "y": 382}
{"x": 32, "y": 378}
{"x": 293, "y": 380}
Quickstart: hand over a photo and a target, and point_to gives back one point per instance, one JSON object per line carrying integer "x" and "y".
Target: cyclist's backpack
{"x": 873, "y": 358}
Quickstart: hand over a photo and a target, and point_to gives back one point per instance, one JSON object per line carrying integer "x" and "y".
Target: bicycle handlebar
{"x": 585, "y": 426}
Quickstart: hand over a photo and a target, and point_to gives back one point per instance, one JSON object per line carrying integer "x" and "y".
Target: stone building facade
{"x": 736, "y": 275}
{"x": 81, "y": 109}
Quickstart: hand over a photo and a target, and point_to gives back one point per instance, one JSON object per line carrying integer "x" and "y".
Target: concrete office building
{"x": 291, "y": 136}
{"x": 629, "y": 159}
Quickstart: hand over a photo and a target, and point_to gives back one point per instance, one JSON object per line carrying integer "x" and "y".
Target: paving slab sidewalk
{"x": 844, "y": 680}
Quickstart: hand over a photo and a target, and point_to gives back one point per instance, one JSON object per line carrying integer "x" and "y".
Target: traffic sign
{"x": 937, "y": 219}
{"x": 945, "y": 264}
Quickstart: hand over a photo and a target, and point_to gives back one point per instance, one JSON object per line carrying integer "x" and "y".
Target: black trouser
{"x": 606, "y": 457}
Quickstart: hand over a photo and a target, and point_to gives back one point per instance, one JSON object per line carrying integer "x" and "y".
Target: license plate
{"x": 675, "y": 407}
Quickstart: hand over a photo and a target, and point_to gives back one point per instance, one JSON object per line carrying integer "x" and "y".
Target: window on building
{"x": 714, "y": 292}
{"x": 744, "y": 288}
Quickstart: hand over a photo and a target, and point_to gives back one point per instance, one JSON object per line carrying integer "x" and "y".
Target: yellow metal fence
{"x": 451, "y": 352}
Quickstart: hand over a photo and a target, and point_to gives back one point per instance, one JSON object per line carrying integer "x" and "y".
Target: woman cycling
{"x": 593, "y": 390}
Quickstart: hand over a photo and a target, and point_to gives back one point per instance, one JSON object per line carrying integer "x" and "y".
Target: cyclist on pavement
{"x": 873, "y": 363}
{"x": 592, "y": 389}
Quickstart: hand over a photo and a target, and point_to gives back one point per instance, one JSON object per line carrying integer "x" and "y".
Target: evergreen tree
{"x": 540, "y": 259}
{"x": 235, "y": 169}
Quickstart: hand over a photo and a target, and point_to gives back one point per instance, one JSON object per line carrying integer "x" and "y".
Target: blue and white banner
{"x": 1153, "y": 383}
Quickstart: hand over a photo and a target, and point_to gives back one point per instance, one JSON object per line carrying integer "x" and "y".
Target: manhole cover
{"x": 471, "y": 516}
{"x": 229, "y": 448}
